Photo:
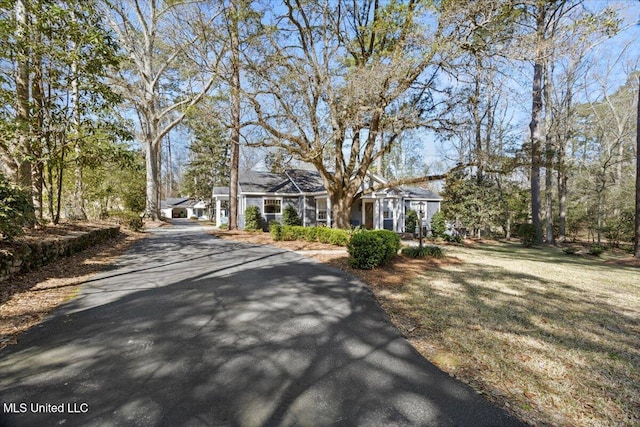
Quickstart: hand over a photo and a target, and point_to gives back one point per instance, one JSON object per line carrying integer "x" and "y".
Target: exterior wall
{"x": 310, "y": 212}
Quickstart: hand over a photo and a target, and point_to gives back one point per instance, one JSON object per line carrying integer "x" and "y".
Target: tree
{"x": 338, "y": 83}
{"x": 173, "y": 62}
{"x": 636, "y": 245}
{"x": 208, "y": 164}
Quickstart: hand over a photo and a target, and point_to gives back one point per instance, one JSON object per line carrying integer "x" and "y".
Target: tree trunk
{"x": 341, "y": 209}
{"x": 152, "y": 181}
{"x": 549, "y": 155}
{"x": 562, "y": 204}
{"x": 636, "y": 249}
{"x": 78, "y": 193}
{"x": 536, "y": 137}
{"x": 235, "y": 117}
{"x": 23, "y": 172}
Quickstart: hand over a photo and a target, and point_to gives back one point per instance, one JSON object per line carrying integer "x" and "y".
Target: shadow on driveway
{"x": 227, "y": 334}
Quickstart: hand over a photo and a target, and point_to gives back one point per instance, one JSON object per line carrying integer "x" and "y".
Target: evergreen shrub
{"x": 290, "y": 216}
{"x": 252, "y": 218}
{"x": 16, "y": 210}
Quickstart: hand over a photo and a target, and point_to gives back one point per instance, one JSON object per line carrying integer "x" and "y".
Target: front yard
{"x": 553, "y": 338}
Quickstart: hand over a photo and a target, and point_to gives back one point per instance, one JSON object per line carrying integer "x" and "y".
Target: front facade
{"x": 184, "y": 207}
{"x": 271, "y": 193}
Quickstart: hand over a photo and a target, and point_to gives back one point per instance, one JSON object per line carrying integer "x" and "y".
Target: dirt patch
{"x": 27, "y": 298}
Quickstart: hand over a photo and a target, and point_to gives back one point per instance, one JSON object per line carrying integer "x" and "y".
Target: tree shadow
{"x": 255, "y": 337}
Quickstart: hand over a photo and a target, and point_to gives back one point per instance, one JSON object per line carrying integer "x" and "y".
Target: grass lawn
{"x": 555, "y": 338}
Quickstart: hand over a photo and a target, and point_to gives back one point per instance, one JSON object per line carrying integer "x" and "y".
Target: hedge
{"x": 310, "y": 234}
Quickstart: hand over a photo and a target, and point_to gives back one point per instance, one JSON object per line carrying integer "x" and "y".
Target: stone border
{"x": 31, "y": 256}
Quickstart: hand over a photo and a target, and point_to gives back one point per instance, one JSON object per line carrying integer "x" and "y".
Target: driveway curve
{"x": 188, "y": 330}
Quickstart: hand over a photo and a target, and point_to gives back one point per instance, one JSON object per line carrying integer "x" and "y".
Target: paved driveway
{"x": 191, "y": 330}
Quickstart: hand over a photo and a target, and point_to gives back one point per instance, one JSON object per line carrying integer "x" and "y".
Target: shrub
{"x": 135, "y": 223}
{"x": 366, "y": 250}
{"x": 252, "y": 218}
{"x": 193, "y": 218}
{"x": 290, "y": 216}
{"x": 570, "y": 250}
{"x": 339, "y": 237}
{"x": 311, "y": 234}
{"x": 276, "y": 231}
{"x": 527, "y": 234}
{"x": 426, "y": 251}
{"x": 323, "y": 234}
{"x": 391, "y": 242}
{"x": 438, "y": 224}
{"x": 453, "y": 238}
{"x": 596, "y": 250}
{"x": 16, "y": 210}
{"x": 411, "y": 221}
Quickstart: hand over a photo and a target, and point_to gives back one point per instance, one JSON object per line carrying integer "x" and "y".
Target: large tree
{"x": 173, "y": 62}
{"x": 338, "y": 82}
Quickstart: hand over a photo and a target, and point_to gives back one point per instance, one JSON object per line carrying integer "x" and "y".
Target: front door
{"x": 368, "y": 215}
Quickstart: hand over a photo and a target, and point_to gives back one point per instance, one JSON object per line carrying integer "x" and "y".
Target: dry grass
{"x": 552, "y": 338}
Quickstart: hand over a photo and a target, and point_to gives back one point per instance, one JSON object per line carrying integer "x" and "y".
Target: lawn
{"x": 555, "y": 338}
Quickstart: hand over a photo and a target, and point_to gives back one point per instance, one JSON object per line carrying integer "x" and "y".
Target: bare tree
{"x": 338, "y": 83}
{"x": 636, "y": 247}
{"x": 170, "y": 68}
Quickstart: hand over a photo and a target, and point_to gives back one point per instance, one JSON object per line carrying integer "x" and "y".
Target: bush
{"x": 339, "y": 237}
{"x": 366, "y": 250}
{"x": 253, "y": 218}
{"x": 453, "y": 238}
{"x": 16, "y": 210}
{"x": 570, "y": 250}
{"x": 426, "y": 251}
{"x": 369, "y": 249}
{"x": 596, "y": 250}
{"x": 311, "y": 234}
{"x": 290, "y": 216}
{"x": 391, "y": 242}
{"x": 527, "y": 234}
{"x": 411, "y": 221}
{"x": 276, "y": 231}
{"x": 438, "y": 224}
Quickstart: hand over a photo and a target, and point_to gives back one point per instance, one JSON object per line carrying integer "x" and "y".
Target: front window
{"x": 387, "y": 212}
{"x": 272, "y": 206}
{"x": 322, "y": 209}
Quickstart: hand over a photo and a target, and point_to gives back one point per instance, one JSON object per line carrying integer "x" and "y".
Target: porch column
{"x": 329, "y": 212}
{"x": 218, "y": 208}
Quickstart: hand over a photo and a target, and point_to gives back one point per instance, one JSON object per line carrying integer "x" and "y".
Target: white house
{"x": 382, "y": 209}
{"x": 184, "y": 208}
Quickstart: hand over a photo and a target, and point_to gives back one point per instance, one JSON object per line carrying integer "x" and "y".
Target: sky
{"x": 618, "y": 56}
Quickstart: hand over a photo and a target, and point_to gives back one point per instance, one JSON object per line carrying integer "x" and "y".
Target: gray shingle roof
{"x": 420, "y": 193}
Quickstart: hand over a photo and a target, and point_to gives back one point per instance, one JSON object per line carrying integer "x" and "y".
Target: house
{"x": 184, "y": 208}
{"x": 271, "y": 192}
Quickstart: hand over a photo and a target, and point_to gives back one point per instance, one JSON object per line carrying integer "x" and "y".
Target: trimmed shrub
{"x": 16, "y": 210}
{"x": 369, "y": 249}
{"x": 311, "y": 234}
{"x": 290, "y": 216}
{"x": 339, "y": 237}
{"x": 391, "y": 242}
{"x": 253, "y": 218}
{"x": 527, "y": 234}
{"x": 438, "y": 224}
{"x": 411, "y": 221}
{"x": 276, "y": 231}
{"x": 323, "y": 234}
{"x": 426, "y": 251}
{"x": 366, "y": 250}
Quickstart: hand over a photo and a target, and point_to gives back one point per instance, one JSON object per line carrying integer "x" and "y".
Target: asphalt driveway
{"x": 189, "y": 330}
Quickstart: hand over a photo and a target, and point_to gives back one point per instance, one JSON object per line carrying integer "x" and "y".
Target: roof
{"x": 420, "y": 193}
{"x": 178, "y": 202}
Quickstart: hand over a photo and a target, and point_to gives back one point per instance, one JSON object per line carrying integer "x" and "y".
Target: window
{"x": 272, "y": 206}
{"x": 387, "y": 212}
{"x": 321, "y": 205}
